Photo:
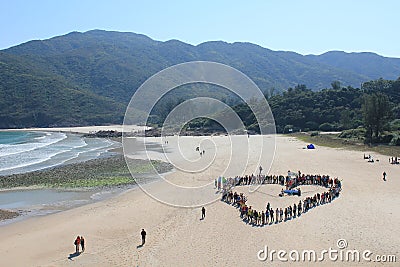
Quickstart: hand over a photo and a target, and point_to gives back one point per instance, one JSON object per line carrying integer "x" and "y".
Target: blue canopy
{"x": 291, "y": 191}
{"x": 310, "y": 146}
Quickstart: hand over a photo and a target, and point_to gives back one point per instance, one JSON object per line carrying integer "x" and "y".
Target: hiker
{"x": 203, "y": 213}
{"x": 77, "y": 243}
{"x": 143, "y": 234}
{"x": 83, "y": 243}
{"x": 384, "y": 176}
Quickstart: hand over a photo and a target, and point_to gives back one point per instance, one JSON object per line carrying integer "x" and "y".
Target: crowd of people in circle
{"x": 278, "y": 215}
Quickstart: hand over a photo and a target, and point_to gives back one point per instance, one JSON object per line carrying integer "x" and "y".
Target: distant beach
{"x": 85, "y": 129}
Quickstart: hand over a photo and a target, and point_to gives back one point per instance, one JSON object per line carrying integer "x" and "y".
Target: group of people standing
{"x": 202, "y": 152}
{"x": 289, "y": 181}
{"x": 394, "y": 160}
{"x": 270, "y": 216}
{"x": 79, "y": 242}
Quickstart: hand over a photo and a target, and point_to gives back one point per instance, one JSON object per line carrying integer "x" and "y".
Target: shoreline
{"x": 97, "y": 193}
{"x": 87, "y": 149}
{"x": 100, "y": 172}
{"x": 104, "y": 174}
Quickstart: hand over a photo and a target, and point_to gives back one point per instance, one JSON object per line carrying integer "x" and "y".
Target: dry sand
{"x": 366, "y": 214}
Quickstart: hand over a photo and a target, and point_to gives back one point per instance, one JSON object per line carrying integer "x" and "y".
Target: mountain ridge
{"x": 108, "y": 66}
{"x": 99, "y": 31}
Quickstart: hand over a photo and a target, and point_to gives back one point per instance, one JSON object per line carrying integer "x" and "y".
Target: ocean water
{"x": 22, "y": 152}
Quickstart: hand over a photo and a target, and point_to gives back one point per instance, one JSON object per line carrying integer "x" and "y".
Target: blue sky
{"x": 303, "y": 26}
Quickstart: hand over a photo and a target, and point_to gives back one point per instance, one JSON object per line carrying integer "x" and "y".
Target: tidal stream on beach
{"x": 23, "y": 152}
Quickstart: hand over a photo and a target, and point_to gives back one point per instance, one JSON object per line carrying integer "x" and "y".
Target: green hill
{"x": 88, "y": 78}
{"x": 30, "y": 97}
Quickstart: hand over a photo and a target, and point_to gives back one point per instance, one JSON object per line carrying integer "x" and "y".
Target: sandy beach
{"x": 366, "y": 215}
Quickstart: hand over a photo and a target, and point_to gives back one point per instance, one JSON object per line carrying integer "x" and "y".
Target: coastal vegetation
{"x": 8, "y": 214}
{"x": 102, "y": 172}
{"x": 370, "y": 114}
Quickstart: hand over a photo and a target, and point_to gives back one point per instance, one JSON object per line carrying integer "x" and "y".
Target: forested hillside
{"x": 88, "y": 78}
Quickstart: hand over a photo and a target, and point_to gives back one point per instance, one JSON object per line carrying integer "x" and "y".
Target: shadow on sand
{"x": 73, "y": 255}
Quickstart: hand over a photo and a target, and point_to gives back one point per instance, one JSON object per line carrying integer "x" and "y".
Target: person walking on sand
{"x": 384, "y": 176}
{"x": 143, "y": 234}
{"x": 203, "y": 213}
{"x": 77, "y": 244}
{"x": 82, "y": 244}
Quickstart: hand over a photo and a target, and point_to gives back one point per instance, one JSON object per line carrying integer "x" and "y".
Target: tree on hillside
{"x": 346, "y": 119}
{"x": 336, "y": 85}
{"x": 379, "y": 85}
{"x": 270, "y": 92}
{"x": 376, "y": 113}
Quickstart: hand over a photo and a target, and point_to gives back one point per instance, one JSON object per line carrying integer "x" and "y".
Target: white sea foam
{"x": 28, "y": 163}
{"x": 49, "y": 150}
{"x": 12, "y": 149}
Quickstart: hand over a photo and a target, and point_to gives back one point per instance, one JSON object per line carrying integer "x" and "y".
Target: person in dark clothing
{"x": 203, "y": 213}
{"x": 83, "y": 243}
{"x": 143, "y": 233}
